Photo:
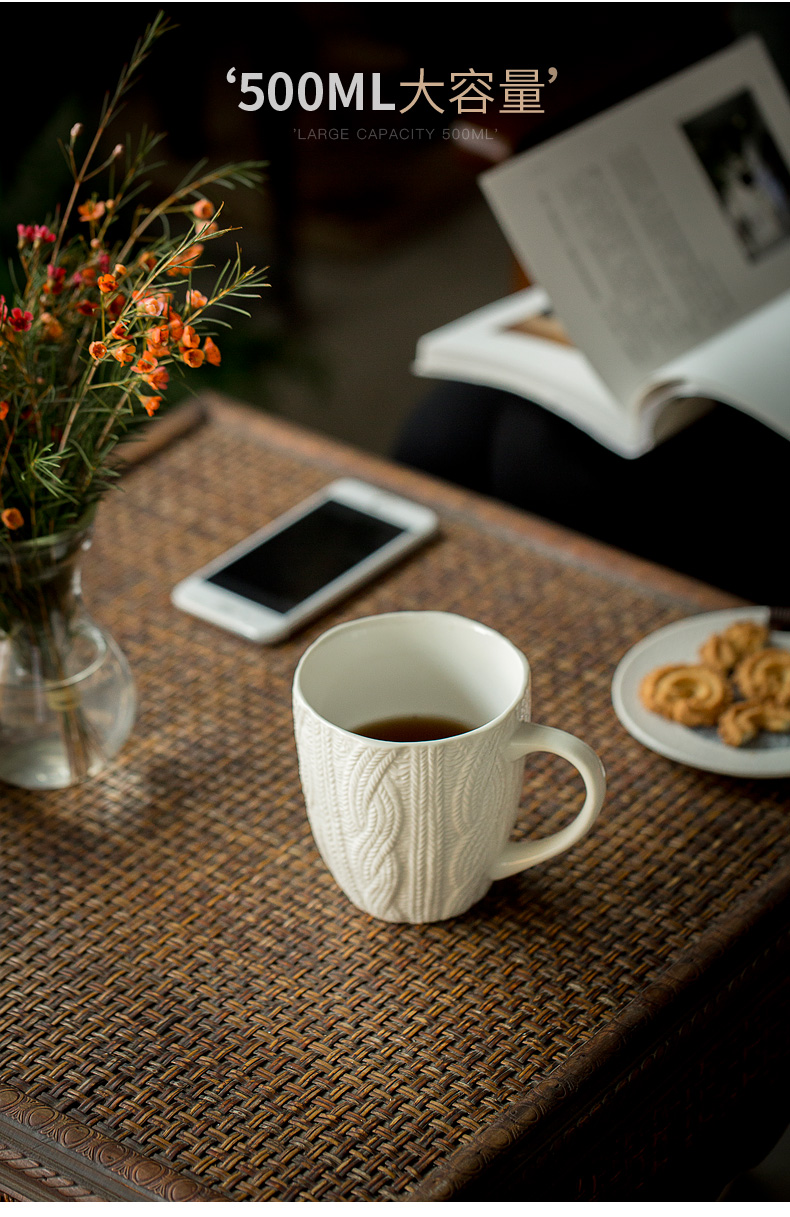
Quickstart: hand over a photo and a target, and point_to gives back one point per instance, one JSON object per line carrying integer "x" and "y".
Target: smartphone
{"x": 268, "y": 585}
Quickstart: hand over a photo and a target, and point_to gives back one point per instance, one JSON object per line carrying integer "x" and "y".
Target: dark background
{"x": 344, "y": 199}
{"x": 371, "y": 244}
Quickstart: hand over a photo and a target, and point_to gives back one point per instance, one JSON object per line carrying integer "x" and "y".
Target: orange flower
{"x": 117, "y": 305}
{"x": 213, "y": 354}
{"x": 12, "y": 518}
{"x": 203, "y": 209}
{"x": 98, "y": 350}
{"x": 196, "y": 299}
{"x": 190, "y": 337}
{"x": 151, "y": 404}
{"x": 87, "y": 308}
{"x": 119, "y": 270}
{"x": 176, "y": 325}
{"x": 152, "y": 306}
{"x": 147, "y": 261}
{"x": 3, "y": 410}
{"x": 158, "y": 336}
{"x": 145, "y": 365}
{"x": 124, "y": 354}
{"x": 53, "y": 330}
{"x": 159, "y": 379}
{"x": 184, "y": 264}
{"x": 193, "y": 358}
{"x": 91, "y": 211}
{"x": 157, "y": 341}
{"x": 108, "y": 283}
{"x": 118, "y": 330}
{"x": 88, "y": 274}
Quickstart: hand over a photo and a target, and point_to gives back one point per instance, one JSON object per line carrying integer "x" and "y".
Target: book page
{"x": 663, "y": 221}
{"x": 747, "y": 366}
{"x": 514, "y": 345}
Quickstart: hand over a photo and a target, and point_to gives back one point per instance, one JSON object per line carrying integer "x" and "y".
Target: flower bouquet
{"x": 104, "y": 315}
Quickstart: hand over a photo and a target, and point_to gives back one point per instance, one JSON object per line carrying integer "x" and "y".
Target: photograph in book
{"x": 666, "y": 260}
{"x": 747, "y": 171}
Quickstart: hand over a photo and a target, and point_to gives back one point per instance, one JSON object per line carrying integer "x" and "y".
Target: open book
{"x": 660, "y": 233}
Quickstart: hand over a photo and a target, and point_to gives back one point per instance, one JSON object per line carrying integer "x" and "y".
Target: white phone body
{"x": 382, "y": 512}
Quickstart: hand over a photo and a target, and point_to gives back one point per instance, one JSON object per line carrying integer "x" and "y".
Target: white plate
{"x": 767, "y": 757}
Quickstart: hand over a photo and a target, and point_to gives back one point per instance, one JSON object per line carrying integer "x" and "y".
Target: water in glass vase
{"x": 67, "y": 698}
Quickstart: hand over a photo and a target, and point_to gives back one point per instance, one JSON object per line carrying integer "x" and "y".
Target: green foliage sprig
{"x": 104, "y": 313}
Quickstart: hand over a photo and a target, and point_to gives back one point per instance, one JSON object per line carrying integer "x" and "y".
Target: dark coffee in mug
{"x": 413, "y": 728}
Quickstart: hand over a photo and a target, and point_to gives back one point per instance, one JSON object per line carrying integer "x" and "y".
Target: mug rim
{"x": 402, "y": 613}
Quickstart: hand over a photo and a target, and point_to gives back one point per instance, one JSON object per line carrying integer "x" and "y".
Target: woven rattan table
{"x": 191, "y": 1009}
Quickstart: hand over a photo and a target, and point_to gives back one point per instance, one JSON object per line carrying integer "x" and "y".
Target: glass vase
{"x": 67, "y": 697}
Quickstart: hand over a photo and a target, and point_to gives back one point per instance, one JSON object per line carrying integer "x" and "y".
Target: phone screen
{"x": 292, "y": 565}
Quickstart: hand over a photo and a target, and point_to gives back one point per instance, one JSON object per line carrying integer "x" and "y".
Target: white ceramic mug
{"x": 418, "y": 831}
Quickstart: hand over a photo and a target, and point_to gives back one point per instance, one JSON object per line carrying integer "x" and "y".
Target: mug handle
{"x": 531, "y": 737}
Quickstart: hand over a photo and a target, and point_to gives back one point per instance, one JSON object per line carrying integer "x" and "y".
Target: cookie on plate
{"x": 692, "y": 694}
{"x": 741, "y": 723}
{"x": 740, "y": 639}
{"x": 765, "y": 676}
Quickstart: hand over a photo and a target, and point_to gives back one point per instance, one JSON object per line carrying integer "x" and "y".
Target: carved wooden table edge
{"x": 727, "y": 956}
{"x": 45, "y": 1155}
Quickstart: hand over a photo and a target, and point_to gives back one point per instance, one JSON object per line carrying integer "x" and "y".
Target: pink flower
{"x": 55, "y": 277}
{"x": 58, "y": 273}
{"x": 104, "y": 262}
{"x": 34, "y": 232}
{"x": 20, "y": 321}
